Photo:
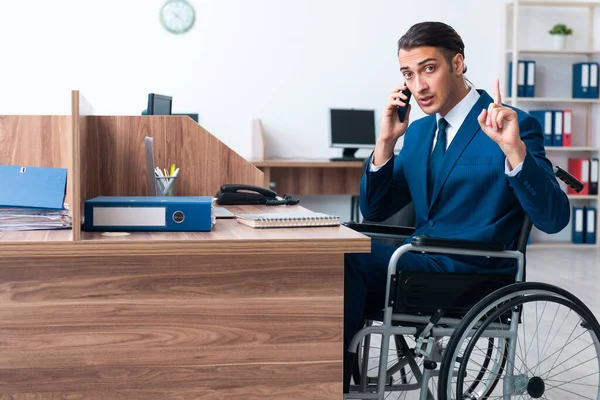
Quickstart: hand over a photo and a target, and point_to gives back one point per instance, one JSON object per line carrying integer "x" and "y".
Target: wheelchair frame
{"x": 386, "y": 330}
{"x": 438, "y": 326}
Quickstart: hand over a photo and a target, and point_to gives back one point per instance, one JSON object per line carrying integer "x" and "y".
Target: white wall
{"x": 284, "y": 62}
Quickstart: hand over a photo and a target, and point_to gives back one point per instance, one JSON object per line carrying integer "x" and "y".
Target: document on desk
{"x": 287, "y": 220}
{"x": 27, "y": 219}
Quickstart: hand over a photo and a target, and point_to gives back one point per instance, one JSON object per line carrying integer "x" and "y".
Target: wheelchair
{"x": 465, "y": 336}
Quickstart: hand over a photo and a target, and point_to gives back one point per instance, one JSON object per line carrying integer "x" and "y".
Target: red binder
{"x": 580, "y": 169}
{"x": 567, "y": 127}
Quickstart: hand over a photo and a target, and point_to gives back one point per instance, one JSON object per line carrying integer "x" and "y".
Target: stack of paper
{"x": 25, "y": 219}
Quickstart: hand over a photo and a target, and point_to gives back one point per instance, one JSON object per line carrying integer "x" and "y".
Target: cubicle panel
{"x": 38, "y": 140}
{"x": 80, "y": 108}
{"x": 115, "y": 158}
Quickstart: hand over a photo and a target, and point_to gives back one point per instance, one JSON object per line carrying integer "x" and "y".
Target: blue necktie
{"x": 437, "y": 156}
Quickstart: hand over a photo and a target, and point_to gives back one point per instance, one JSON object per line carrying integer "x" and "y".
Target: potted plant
{"x": 560, "y": 32}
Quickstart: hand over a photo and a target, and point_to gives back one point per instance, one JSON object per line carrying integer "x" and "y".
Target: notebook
{"x": 287, "y": 220}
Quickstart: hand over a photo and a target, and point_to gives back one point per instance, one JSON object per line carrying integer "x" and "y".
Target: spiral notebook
{"x": 287, "y": 220}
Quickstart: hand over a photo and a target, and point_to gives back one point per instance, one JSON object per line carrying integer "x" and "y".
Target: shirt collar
{"x": 458, "y": 114}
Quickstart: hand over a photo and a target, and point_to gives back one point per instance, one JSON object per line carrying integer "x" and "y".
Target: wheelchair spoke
{"x": 573, "y": 381}
{"x": 579, "y": 396}
{"x": 561, "y": 351}
{"x": 562, "y": 372}
{"x": 548, "y": 335}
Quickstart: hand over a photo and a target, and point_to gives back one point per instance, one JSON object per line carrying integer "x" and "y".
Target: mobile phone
{"x": 402, "y": 110}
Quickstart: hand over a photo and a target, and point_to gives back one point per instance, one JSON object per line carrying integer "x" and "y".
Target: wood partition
{"x": 115, "y": 160}
{"x": 38, "y": 141}
{"x": 80, "y": 109}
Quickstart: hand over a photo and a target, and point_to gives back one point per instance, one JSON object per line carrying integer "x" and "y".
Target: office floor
{"x": 578, "y": 271}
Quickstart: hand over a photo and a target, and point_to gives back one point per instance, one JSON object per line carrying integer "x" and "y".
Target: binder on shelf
{"x": 530, "y": 79}
{"x": 594, "y": 77}
{"x": 593, "y": 176}
{"x": 521, "y": 71}
{"x": 585, "y": 80}
{"x": 567, "y": 128}
{"x": 580, "y": 169}
{"x": 590, "y": 225}
{"x": 546, "y": 119}
{"x": 148, "y": 213}
{"x": 558, "y": 128}
{"x": 578, "y": 225}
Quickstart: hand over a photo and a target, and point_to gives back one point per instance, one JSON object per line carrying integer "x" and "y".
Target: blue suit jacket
{"x": 473, "y": 198}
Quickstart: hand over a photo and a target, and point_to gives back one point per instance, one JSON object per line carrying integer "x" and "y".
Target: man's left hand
{"x": 501, "y": 124}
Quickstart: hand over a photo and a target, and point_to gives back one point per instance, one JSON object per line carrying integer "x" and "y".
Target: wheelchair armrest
{"x": 381, "y": 231}
{"x": 427, "y": 241}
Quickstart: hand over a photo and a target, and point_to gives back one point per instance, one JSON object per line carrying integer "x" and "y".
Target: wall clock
{"x": 177, "y": 16}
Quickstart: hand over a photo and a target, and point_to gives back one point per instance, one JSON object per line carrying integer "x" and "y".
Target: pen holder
{"x": 166, "y": 185}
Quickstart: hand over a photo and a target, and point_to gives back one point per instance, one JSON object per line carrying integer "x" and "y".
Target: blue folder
{"x": 590, "y": 225}
{"x": 585, "y": 80}
{"x": 546, "y": 118}
{"x": 521, "y": 78}
{"x": 33, "y": 187}
{"x": 148, "y": 213}
{"x": 578, "y": 227}
{"x": 530, "y": 78}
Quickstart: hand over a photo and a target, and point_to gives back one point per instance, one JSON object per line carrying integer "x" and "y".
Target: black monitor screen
{"x": 352, "y": 127}
{"x": 159, "y": 104}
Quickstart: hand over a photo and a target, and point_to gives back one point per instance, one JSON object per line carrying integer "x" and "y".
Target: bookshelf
{"x": 527, "y": 38}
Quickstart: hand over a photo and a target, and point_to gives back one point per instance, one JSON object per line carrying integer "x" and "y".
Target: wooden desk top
{"x": 227, "y": 236}
{"x": 306, "y": 163}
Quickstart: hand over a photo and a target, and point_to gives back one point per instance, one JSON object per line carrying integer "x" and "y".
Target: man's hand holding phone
{"x": 391, "y": 128}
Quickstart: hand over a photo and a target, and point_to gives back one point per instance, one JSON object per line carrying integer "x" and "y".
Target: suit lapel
{"x": 465, "y": 134}
{"x": 422, "y": 155}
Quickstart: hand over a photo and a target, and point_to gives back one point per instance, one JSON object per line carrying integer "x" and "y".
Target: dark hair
{"x": 434, "y": 34}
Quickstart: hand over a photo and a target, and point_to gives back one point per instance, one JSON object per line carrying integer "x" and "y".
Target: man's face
{"x": 430, "y": 79}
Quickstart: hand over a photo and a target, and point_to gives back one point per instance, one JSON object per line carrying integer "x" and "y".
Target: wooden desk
{"x": 312, "y": 177}
{"x": 233, "y": 313}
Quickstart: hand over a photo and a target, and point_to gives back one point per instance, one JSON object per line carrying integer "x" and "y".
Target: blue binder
{"x": 521, "y": 78}
{"x": 590, "y": 225}
{"x": 530, "y": 78}
{"x": 546, "y": 118}
{"x": 578, "y": 223}
{"x": 558, "y": 128}
{"x": 585, "y": 80}
{"x": 594, "y": 77}
{"x": 148, "y": 213}
{"x": 33, "y": 187}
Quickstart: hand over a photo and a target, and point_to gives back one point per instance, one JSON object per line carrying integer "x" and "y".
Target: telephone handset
{"x": 402, "y": 109}
{"x": 237, "y": 194}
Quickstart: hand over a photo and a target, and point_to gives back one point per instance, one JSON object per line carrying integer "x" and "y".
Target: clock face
{"x": 177, "y": 16}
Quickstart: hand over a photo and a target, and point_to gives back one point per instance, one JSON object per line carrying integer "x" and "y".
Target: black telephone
{"x": 402, "y": 110}
{"x": 235, "y": 194}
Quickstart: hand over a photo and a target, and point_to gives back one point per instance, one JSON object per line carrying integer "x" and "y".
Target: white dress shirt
{"x": 455, "y": 119}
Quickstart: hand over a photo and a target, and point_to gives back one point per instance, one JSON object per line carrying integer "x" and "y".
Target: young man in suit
{"x": 472, "y": 168}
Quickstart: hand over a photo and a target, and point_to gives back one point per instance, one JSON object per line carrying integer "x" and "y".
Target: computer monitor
{"x": 193, "y": 116}
{"x": 352, "y": 130}
{"x": 159, "y": 104}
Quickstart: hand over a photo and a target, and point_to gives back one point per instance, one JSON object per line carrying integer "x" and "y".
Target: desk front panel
{"x": 218, "y": 326}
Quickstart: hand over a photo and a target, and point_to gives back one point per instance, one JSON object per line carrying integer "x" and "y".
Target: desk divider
{"x": 104, "y": 156}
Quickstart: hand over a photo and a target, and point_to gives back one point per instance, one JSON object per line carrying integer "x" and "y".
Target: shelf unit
{"x": 587, "y": 142}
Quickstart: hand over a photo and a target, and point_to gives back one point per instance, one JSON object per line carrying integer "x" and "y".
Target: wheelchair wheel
{"x": 552, "y": 346}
